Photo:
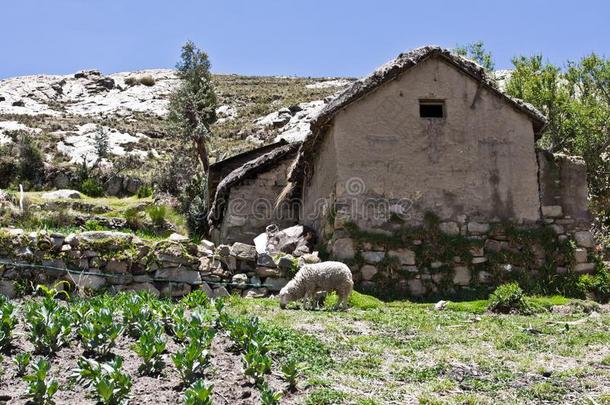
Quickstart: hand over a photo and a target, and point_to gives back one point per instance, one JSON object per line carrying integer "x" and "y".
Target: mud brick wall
{"x": 448, "y": 257}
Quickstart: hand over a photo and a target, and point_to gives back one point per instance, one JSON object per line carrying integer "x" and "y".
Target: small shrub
{"x": 132, "y": 217}
{"x": 190, "y": 362}
{"x": 157, "y": 214}
{"x": 145, "y": 191}
{"x": 93, "y": 225}
{"x": 508, "y": 298}
{"x": 291, "y": 371}
{"x": 150, "y": 346}
{"x": 8, "y": 320}
{"x": 131, "y": 81}
{"x": 269, "y": 396}
{"x": 40, "y": 389}
{"x": 256, "y": 364}
{"x": 22, "y": 361}
{"x": 597, "y": 284}
{"x": 111, "y": 385}
{"x": 30, "y": 164}
{"x": 147, "y": 80}
{"x": 199, "y": 393}
{"x": 98, "y": 332}
{"x": 92, "y": 188}
{"x": 49, "y": 325}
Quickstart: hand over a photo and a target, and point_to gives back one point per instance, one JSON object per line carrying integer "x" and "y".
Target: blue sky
{"x": 268, "y": 37}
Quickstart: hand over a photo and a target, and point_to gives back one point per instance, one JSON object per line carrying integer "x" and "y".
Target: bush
{"x": 30, "y": 165}
{"x": 147, "y": 80}
{"x": 174, "y": 175}
{"x": 8, "y": 168}
{"x": 145, "y": 191}
{"x": 157, "y": 214}
{"x": 131, "y": 81}
{"x": 508, "y": 298}
{"x": 194, "y": 202}
{"x": 597, "y": 284}
{"x": 92, "y": 188}
{"x": 132, "y": 217}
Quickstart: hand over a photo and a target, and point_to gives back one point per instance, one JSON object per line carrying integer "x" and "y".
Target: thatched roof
{"x": 248, "y": 170}
{"x": 388, "y": 72}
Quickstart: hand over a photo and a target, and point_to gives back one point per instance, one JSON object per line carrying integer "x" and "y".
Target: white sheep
{"x": 311, "y": 278}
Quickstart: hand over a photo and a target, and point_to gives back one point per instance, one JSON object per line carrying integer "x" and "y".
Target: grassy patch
{"x": 403, "y": 352}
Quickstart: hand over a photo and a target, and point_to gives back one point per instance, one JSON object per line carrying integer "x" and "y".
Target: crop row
{"x": 98, "y": 322}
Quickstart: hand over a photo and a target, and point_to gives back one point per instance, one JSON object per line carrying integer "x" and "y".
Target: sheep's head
{"x": 287, "y": 294}
{"x": 283, "y": 298}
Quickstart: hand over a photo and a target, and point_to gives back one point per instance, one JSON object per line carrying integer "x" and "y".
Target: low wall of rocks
{"x": 452, "y": 258}
{"x": 114, "y": 261}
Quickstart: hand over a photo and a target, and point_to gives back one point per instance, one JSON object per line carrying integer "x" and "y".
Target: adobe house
{"x": 245, "y": 188}
{"x": 425, "y": 178}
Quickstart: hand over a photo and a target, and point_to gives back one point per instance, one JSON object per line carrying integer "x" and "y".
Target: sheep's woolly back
{"x": 325, "y": 276}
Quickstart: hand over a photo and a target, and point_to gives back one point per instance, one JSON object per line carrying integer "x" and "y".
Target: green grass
{"x": 62, "y": 220}
{"x": 403, "y": 352}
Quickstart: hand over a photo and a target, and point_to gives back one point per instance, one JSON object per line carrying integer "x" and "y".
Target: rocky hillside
{"x": 64, "y": 113}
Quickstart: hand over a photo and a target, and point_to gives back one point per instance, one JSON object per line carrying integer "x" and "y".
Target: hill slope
{"x": 64, "y": 113}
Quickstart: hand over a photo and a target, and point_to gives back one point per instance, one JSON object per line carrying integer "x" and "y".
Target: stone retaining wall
{"x": 118, "y": 261}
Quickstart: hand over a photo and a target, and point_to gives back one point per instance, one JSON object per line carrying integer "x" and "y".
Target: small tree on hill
{"x": 476, "y": 51}
{"x": 30, "y": 166}
{"x": 192, "y": 107}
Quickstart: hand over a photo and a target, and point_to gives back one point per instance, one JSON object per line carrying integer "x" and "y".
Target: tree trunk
{"x": 202, "y": 154}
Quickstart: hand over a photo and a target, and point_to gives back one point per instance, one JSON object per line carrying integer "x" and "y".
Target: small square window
{"x": 431, "y": 109}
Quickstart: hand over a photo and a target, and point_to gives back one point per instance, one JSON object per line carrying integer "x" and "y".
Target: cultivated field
{"x": 375, "y": 353}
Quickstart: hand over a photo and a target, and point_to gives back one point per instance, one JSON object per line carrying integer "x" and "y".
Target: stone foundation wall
{"x": 115, "y": 261}
{"x": 448, "y": 258}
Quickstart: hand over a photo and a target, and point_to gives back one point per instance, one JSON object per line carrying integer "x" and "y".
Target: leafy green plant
{"x": 40, "y": 389}
{"x": 22, "y": 361}
{"x": 245, "y": 333}
{"x": 145, "y": 191}
{"x": 195, "y": 329}
{"x": 137, "y": 314}
{"x": 190, "y": 362}
{"x": 508, "y": 298}
{"x": 98, "y": 332}
{"x": 197, "y": 298}
{"x": 199, "y": 393}
{"x": 150, "y": 346}
{"x": 157, "y": 214}
{"x": 53, "y": 291}
{"x": 110, "y": 384}
{"x": 30, "y": 163}
{"x": 92, "y": 188}
{"x": 291, "y": 371}
{"x": 48, "y": 323}
{"x": 596, "y": 284}
{"x": 269, "y": 396}
{"x": 93, "y": 225}
{"x": 256, "y": 364}
{"x": 8, "y": 320}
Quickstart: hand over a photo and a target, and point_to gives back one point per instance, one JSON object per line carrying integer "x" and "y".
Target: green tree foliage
{"x": 576, "y": 100}
{"x": 192, "y": 111}
{"x": 476, "y": 51}
{"x": 192, "y": 108}
{"x": 30, "y": 166}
